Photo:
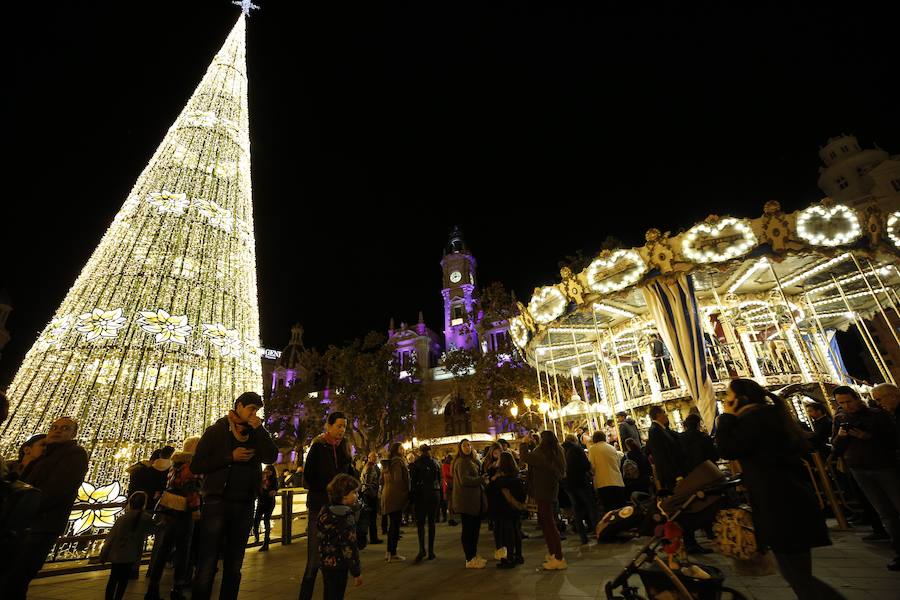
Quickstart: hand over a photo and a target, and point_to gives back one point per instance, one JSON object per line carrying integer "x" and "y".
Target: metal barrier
{"x": 72, "y": 548}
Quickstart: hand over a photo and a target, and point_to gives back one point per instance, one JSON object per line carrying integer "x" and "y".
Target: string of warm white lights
{"x": 614, "y": 310}
{"x": 815, "y": 270}
{"x": 884, "y": 269}
{"x": 833, "y": 226}
{"x": 160, "y": 331}
{"x": 747, "y": 274}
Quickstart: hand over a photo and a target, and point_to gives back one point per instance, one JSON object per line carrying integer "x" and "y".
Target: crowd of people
{"x": 201, "y": 503}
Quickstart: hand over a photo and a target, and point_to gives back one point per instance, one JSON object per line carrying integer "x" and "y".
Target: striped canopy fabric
{"x": 673, "y": 305}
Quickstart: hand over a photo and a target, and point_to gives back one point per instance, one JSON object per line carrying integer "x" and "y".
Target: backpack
{"x": 630, "y": 469}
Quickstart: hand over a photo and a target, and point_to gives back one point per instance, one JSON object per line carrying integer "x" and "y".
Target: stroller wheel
{"x": 732, "y": 594}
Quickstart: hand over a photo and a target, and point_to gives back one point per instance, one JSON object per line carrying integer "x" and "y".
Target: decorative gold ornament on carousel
{"x": 573, "y": 289}
{"x": 527, "y": 319}
{"x": 774, "y": 227}
{"x": 874, "y": 220}
{"x": 828, "y": 226}
{"x": 658, "y": 250}
{"x": 547, "y": 303}
{"x": 613, "y": 271}
{"x": 717, "y": 240}
{"x": 519, "y": 332}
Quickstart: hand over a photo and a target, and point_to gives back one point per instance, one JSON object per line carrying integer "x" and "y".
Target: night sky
{"x": 538, "y": 127}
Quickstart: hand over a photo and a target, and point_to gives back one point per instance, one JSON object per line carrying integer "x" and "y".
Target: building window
{"x": 833, "y": 154}
{"x": 845, "y": 149}
{"x": 842, "y": 183}
{"x": 457, "y": 312}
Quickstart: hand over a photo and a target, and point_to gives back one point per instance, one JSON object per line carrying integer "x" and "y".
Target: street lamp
{"x": 514, "y": 411}
{"x": 527, "y": 402}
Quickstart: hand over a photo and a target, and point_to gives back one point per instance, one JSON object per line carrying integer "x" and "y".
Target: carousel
{"x": 673, "y": 321}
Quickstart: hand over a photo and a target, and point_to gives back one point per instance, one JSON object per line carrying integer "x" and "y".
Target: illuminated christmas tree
{"x": 160, "y": 332}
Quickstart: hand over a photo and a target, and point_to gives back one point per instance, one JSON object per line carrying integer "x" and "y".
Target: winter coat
{"x": 395, "y": 491}
{"x": 58, "y": 473}
{"x": 820, "y": 437}
{"x": 213, "y": 460}
{"x": 336, "y": 532}
{"x": 370, "y": 483}
{"x": 498, "y": 506}
{"x": 149, "y": 477}
{"x": 424, "y": 480}
{"x": 468, "y": 487}
{"x": 446, "y": 477}
{"x": 628, "y": 429}
{"x": 125, "y": 541}
{"x": 323, "y": 462}
{"x": 697, "y": 447}
{"x": 877, "y": 452}
{"x": 547, "y": 471}
{"x": 786, "y": 516}
{"x": 183, "y": 482}
{"x": 667, "y": 455}
{"x": 578, "y": 467}
{"x": 605, "y": 461}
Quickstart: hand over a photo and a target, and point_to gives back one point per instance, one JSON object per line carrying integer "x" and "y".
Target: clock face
{"x": 455, "y": 276}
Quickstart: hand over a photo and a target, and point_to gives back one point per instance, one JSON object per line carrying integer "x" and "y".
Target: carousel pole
{"x": 803, "y": 348}
{"x": 875, "y": 298}
{"x": 823, "y": 333}
{"x": 886, "y": 289}
{"x": 541, "y": 388}
{"x": 583, "y": 386}
{"x": 731, "y": 336}
{"x": 864, "y": 332}
{"x": 609, "y": 384}
{"x": 555, "y": 379}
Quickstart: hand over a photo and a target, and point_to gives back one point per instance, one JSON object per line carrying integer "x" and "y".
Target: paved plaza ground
{"x": 855, "y": 567}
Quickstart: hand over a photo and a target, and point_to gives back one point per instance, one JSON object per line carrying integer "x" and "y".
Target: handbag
{"x": 735, "y": 536}
{"x": 172, "y": 501}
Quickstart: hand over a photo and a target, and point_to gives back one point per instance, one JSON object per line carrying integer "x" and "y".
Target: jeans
{"x": 797, "y": 571}
{"x": 264, "y": 508}
{"x": 32, "y": 554}
{"x": 118, "y": 581}
{"x": 882, "y": 488}
{"x": 394, "y": 531}
{"x": 585, "y": 508}
{"x": 335, "y": 581}
{"x": 427, "y": 506}
{"x": 308, "y": 583}
{"x": 372, "y": 503}
{"x": 224, "y": 528}
{"x": 547, "y": 521}
{"x": 471, "y": 528}
{"x": 175, "y": 532}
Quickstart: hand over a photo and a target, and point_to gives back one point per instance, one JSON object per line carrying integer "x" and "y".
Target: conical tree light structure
{"x": 160, "y": 332}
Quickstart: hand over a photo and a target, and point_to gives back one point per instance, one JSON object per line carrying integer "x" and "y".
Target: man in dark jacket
{"x": 887, "y": 396}
{"x": 867, "y": 440}
{"x": 230, "y": 456}
{"x": 627, "y": 429}
{"x": 329, "y": 455}
{"x": 58, "y": 473}
{"x": 664, "y": 449}
{"x": 579, "y": 485}
{"x": 425, "y": 493}
{"x": 822, "y": 429}
{"x": 697, "y": 445}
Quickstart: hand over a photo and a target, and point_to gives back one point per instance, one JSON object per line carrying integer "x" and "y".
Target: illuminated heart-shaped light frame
{"x": 707, "y": 231}
{"x": 547, "y": 304}
{"x": 817, "y": 224}
{"x": 893, "y": 228}
{"x": 628, "y": 264}
{"x": 518, "y": 332}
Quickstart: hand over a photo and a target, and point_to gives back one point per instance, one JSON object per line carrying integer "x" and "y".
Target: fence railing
{"x": 84, "y": 548}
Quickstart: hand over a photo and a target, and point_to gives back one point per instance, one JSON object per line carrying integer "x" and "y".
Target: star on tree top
{"x": 246, "y": 6}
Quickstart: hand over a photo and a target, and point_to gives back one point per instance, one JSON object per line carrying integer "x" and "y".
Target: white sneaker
{"x": 476, "y": 563}
{"x": 555, "y": 564}
{"x": 397, "y": 558}
{"x": 500, "y": 553}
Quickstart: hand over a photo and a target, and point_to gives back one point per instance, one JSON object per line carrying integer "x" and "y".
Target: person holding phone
{"x": 230, "y": 457}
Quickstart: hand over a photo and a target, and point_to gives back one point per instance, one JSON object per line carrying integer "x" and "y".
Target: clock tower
{"x": 460, "y": 300}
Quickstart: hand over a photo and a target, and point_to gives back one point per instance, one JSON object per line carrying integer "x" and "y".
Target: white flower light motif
{"x": 215, "y": 214}
{"x": 833, "y": 226}
{"x": 55, "y": 331}
{"x": 227, "y": 340}
{"x": 621, "y": 269}
{"x": 547, "y": 304}
{"x": 100, "y": 324}
{"x": 103, "y": 518}
{"x": 169, "y": 202}
{"x": 168, "y": 328}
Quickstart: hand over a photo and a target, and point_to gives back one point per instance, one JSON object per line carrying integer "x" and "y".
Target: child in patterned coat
{"x": 337, "y": 537}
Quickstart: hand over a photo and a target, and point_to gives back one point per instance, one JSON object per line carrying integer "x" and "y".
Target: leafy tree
{"x": 291, "y": 414}
{"x": 365, "y": 379}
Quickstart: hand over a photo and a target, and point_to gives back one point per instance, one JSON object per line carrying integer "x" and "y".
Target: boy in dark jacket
{"x": 329, "y": 455}
{"x": 336, "y": 537}
{"x": 230, "y": 456}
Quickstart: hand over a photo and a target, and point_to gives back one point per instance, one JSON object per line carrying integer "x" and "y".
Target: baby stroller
{"x": 692, "y": 505}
